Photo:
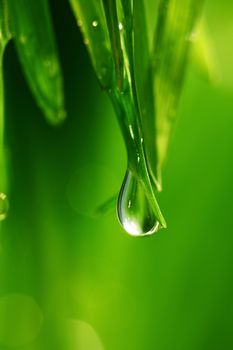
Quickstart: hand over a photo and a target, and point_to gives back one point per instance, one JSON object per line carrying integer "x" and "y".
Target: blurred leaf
{"x": 144, "y": 85}
{"x": 4, "y": 38}
{"x": 132, "y": 103}
{"x": 118, "y": 51}
{"x": 5, "y": 34}
{"x": 175, "y": 28}
{"x": 91, "y": 20}
{"x": 125, "y": 86}
{"x": 36, "y": 47}
{"x": 203, "y": 53}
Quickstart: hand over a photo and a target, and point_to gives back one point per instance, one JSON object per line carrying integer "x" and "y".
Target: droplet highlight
{"x": 135, "y": 213}
{"x": 95, "y": 24}
{"x": 4, "y": 206}
{"x": 120, "y": 26}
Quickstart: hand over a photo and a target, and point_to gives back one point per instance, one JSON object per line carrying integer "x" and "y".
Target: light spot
{"x": 4, "y": 206}
{"x": 23, "y": 39}
{"x": 20, "y": 320}
{"x": 86, "y": 41}
{"x": 79, "y": 23}
{"x": 192, "y": 36}
{"x": 95, "y": 24}
{"x": 131, "y": 131}
{"x": 120, "y": 26}
{"x": 51, "y": 66}
{"x": 80, "y": 335}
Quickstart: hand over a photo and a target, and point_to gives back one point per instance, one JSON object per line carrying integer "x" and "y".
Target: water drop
{"x": 4, "y": 206}
{"x": 95, "y": 24}
{"x": 134, "y": 210}
{"x": 131, "y": 131}
{"x": 51, "y": 66}
{"x": 120, "y": 26}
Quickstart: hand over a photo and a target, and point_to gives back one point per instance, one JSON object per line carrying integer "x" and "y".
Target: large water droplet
{"x": 4, "y": 206}
{"x": 134, "y": 210}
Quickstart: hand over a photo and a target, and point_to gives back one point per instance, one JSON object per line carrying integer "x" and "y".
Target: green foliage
{"x": 144, "y": 81}
{"x": 175, "y": 31}
{"x": 91, "y": 20}
{"x": 5, "y": 36}
{"x": 36, "y": 47}
{"x": 172, "y": 291}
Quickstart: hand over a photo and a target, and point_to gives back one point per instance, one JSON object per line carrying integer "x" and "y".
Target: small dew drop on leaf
{"x": 120, "y": 26}
{"x": 4, "y": 206}
{"x": 131, "y": 131}
{"x": 51, "y": 66}
{"x": 95, "y": 24}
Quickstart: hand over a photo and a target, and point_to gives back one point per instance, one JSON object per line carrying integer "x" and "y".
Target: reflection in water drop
{"x": 134, "y": 210}
{"x": 4, "y": 206}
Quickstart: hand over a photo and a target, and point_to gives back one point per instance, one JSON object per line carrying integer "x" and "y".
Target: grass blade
{"x": 204, "y": 55}
{"x": 35, "y": 43}
{"x": 137, "y": 127}
{"x": 91, "y": 20}
{"x": 5, "y": 36}
{"x": 176, "y": 23}
{"x": 122, "y": 31}
{"x": 144, "y": 85}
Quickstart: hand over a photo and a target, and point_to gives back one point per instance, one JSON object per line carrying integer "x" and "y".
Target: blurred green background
{"x": 69, "y": 280}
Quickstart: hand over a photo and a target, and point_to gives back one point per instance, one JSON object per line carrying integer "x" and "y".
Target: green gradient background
{"x": 170, "y": 291}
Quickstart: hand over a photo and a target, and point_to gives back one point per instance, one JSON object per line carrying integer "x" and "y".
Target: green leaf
{"x": 203, "y": 53}
{"x": 110, "y": 8}
{"x": 144, "y": 85}
{"x": 35, "y": 43}
{"x": 128, "y": 32}
{"x": 5, "y": 34}
{"x": 91, "y": 20}
{"x": 116, "y": 26}
{"x": 4, "y": 38}
{"x": 176, "y": 24}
